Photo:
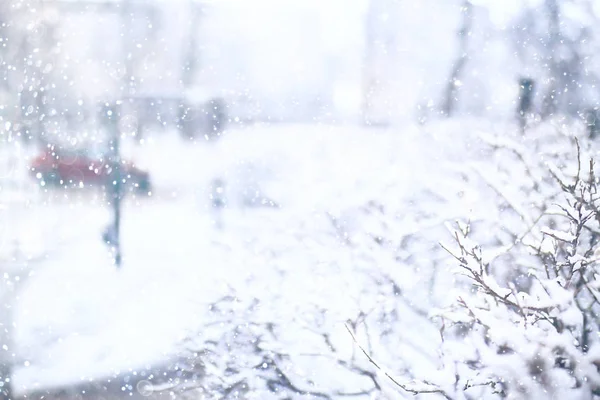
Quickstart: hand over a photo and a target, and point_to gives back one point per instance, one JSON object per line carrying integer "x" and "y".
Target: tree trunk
{"x": 526, "y": 88}
{"x": 451, "y": 94}
{"x": 551, "y": 98}
{"x": 190, "y": 59}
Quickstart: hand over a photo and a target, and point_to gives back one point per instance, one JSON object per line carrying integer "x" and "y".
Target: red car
{"x": 69, "y": 168}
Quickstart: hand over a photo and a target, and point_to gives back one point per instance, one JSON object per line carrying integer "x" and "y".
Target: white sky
{"x": 295, "y": 45}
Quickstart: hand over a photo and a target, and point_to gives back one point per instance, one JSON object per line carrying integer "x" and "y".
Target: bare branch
{"x": 404, "y": 387}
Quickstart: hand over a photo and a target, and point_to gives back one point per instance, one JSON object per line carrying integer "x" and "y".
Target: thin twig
{"x": 391, "y": 378}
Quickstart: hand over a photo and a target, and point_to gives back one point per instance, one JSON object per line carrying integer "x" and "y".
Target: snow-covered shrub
{"x": 370, "y": 270}
{"x": 537, "y": 336}
{"x": 362, "y": 258}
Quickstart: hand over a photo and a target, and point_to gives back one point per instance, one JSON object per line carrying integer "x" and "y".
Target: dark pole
{"x": 464, "y": 35}
{"x": 112, "y": 236}
{"x": 117, "y": 191}
{"x": 127, "y": 91}
{"x": 591, "y": 121}
{"x": 526, "y": 87}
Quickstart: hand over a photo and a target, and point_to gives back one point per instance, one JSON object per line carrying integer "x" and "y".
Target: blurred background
{"x": 194, "y": 193}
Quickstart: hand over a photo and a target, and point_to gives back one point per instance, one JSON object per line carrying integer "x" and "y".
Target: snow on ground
{"x": 78, "y": 317}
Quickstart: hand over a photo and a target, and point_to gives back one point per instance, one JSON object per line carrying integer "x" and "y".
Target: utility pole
{"x": 112, "y": 234}
{"x": 117, "y": 183}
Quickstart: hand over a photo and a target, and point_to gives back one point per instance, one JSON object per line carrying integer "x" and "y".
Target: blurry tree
{"x": 526, "y": 91}
{"x": 380, "y": 32}
{"x": 29, "y": 92}
{"x": 190, "y": 57}
{"x": 456, "y": 74}
{"x": 30, "y": 65}
{"x": 555, "y": 40}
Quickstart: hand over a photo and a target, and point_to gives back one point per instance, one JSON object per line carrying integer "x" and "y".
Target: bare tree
{"x": 190, "y": 58}
{"x": 555, "y": 66}
{"x": 454, "y": 81}
{"x": 557, "y": 46}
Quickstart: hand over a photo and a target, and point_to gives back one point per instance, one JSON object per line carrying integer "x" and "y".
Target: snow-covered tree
{"x": 537, "y": 339}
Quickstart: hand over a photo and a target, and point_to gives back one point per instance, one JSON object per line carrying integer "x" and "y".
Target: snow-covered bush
{"x": 525, "y": 324}
{"x": 538, "y": 341}
{"x": 371, "y": 271}
{"x": 357, "y": 254}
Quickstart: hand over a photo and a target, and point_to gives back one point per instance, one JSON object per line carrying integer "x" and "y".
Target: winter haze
{"x": 286, "y": 199}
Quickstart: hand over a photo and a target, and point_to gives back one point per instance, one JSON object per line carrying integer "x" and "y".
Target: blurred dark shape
{"x": 251, "y": 180}
{"x": 591, "y": 121}
{"x": 526, "y": 89}
{"x": 458, "y": 67}
{"x": 217, "y": 193}
{"x": 217, "y": 114}
{"x": 112, "y": 114}
{"x": 218, "y": 201}
{"x": 253, "y": 196}
{"x": 109, "y": 235}
{"x": 186, "y": 121}
{"x": 197, "y": 118}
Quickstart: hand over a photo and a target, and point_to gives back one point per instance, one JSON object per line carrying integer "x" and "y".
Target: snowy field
{"x": 79, "y": 318}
